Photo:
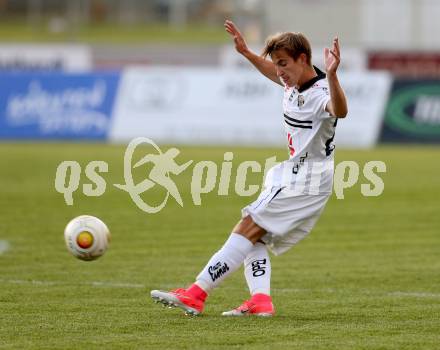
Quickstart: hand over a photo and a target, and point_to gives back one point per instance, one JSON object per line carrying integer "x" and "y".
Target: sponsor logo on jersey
{"x": 291, "y": 96}
{"x": 302, "y": 159}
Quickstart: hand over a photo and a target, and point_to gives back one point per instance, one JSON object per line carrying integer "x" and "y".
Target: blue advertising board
{"x": 57, "y": 105}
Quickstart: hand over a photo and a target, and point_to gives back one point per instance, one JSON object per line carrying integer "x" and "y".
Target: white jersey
{"x": 310, "y": 132}
{"x": 309, "y": 128}
{"x": 297, "y": 189}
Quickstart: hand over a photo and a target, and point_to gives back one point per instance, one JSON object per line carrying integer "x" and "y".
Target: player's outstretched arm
{"x": 267, "y": 68}
{"x": 337, "y": 106}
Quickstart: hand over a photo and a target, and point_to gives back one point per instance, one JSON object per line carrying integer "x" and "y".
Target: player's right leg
{"x": 224, "y": 262}
{"x": 191, "y": 300}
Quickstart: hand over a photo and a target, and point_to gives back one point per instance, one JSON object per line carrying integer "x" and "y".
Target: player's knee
{"x": 249, "y": 229}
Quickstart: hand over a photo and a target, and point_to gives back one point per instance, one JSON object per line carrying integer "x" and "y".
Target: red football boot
{"x": 191, "y": 300}
{"x": 258, "y": 305}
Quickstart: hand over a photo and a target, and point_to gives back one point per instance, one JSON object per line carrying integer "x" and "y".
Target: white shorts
{"x": 287, "y": 217}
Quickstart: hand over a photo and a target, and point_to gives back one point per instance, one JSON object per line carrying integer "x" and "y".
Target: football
{"x": 87, "y": 237}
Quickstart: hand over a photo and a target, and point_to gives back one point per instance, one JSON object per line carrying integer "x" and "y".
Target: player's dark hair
{"x": 293, "y": 43}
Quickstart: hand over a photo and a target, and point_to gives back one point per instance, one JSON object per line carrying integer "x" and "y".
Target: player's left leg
{"x": 223, "y": 263}
{"x": 257, "y": 271}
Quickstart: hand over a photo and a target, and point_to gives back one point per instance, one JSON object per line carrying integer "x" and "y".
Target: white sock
{"x": 227, "y": 260}
{"x": 257, "y": 269}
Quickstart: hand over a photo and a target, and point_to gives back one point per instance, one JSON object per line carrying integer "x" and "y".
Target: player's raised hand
{"x": 240, "y": 43}
{"x": 332, "y": 57}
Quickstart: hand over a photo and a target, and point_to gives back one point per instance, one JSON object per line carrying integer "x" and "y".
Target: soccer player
{"x": 295, "y": 191}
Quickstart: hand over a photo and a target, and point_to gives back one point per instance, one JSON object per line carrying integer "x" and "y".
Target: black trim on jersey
{"x": 297, "y": 120}
{"x": 328, "y": 149}
{"x": 308, "y": 84}
{"x": 276, "y": 194}
{"x": 298, "y": 125}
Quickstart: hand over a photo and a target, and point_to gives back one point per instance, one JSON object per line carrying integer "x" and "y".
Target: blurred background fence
{"x": 165, "y": 69}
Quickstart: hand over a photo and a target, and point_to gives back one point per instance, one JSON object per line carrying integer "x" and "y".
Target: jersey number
{"x": 290, "y": 144}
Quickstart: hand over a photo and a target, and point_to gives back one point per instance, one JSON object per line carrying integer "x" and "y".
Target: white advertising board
{"x": 198, "y": 106}
{"x": 226, "y": 106}
{"x": 367, "y": 95}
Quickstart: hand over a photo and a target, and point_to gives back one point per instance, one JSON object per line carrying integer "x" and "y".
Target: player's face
{"x": 288, "y": 69}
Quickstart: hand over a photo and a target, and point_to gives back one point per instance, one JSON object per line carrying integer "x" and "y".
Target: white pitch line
{"x": 415, "y": 294}
{"x": 117, "y": 285}
{"x": 60, "y": 283}
{"x": 4, "y": 246}
{"x": 277, "y": 290}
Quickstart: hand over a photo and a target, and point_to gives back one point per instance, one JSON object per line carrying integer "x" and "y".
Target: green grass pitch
{"x": 368, "y": 277}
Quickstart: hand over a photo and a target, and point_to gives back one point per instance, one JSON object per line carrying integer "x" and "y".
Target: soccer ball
{"x": 87, "y": 237}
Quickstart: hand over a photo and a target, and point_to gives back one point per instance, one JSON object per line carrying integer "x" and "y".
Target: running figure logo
{"x": 163, "y": 165}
